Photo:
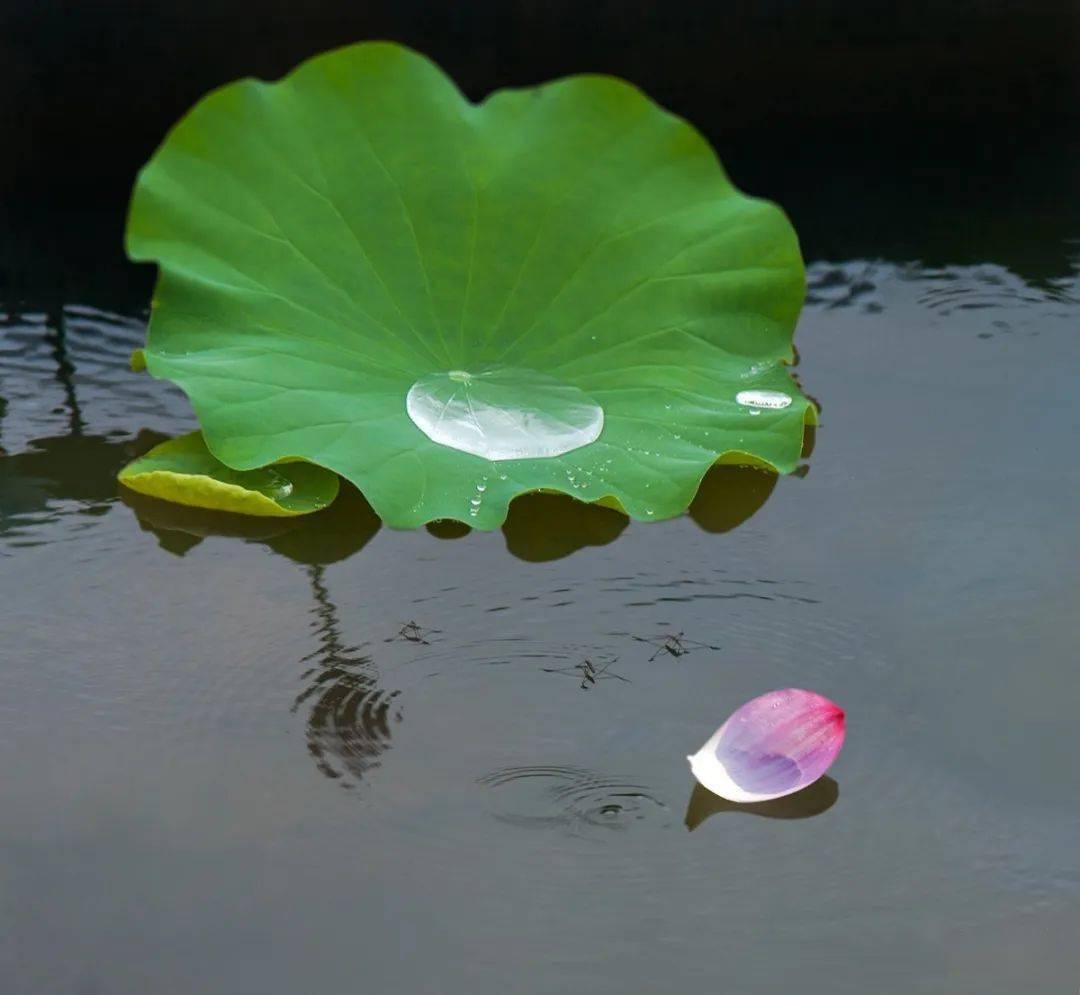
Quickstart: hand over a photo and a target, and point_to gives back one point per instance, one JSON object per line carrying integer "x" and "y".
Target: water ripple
{"x": 349, "y": 716}
{"x": 572, "y": 800}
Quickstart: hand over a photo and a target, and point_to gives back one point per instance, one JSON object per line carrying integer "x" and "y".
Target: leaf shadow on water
{"x": 79, "y": 468}
{"x": 539, "y": 528}
{"x": 325, "y": 537}
{"x": 813, "y": 800}
{"x": 544, "y": 527}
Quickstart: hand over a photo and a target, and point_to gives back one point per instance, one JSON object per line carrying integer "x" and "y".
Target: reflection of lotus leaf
{"x": 53, "y": 471}
{"x": 358, "y": 231}
{"x": 324, "y": 537}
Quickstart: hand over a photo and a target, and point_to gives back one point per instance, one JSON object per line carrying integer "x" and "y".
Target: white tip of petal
{"x": 772, "y": 746}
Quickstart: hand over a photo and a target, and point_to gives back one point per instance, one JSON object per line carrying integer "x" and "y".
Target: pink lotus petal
{"x": 772, "y": 746}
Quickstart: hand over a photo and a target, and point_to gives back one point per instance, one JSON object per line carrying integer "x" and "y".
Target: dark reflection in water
{"x": 812, "y": 800}
{"x": 325, "y": 537}
{"x": 571, "y": 799}
{"x": 861, "y": 285}
{"x": 729, "y": 496}
{"x": 844, "y": 285}
{"x": 543, "y": 527}
{"x": 447, "y": 528}
{"x": 65, "y": 370}
{"x": 550, "y": 526}
{"x": 333, "y": 534}
{"x": 65, "y": 468}
{"x": 349, "y": 715}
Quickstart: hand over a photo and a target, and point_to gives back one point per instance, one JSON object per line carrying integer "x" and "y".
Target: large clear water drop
{"x": 503, "y": 413}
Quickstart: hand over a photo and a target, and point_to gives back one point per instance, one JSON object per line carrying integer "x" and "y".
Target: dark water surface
{"x": 324, "y": 756}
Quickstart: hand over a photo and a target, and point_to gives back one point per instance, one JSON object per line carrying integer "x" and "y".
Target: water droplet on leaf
{"x": 773, "y": 399}
{"x": 504, "y": 413}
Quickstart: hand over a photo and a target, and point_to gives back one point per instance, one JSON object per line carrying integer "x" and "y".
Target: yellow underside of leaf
{"x": 204, "y": 492}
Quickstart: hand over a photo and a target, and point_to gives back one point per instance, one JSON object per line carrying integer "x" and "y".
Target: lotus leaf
{"x": 450, "y": 304}
{"x": 184, "y": 471}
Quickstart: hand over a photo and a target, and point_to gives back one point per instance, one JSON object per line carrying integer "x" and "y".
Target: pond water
{"x": 282, "y": 757}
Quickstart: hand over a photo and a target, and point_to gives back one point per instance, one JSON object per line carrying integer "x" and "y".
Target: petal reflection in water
{"x": 817, "y": 798}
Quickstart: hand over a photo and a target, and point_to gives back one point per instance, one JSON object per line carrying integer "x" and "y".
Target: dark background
{"x": 850, "y": 114}
{"x": 168, "y": 828}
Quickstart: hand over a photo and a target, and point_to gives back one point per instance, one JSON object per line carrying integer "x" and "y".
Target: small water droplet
{"x": 279, "y": 485}
{"x": 773, "y": 399}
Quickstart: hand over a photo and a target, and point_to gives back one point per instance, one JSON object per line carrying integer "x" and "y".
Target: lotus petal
{"x": 772, "y": 746}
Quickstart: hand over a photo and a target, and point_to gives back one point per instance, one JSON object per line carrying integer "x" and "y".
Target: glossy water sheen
{"x": 235, "y": 766}
{"x": 763, "y": 399}
{"x": 502, "y": 413}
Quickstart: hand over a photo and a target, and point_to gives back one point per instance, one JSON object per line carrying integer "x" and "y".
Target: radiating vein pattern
{"x": 334, "y": 248}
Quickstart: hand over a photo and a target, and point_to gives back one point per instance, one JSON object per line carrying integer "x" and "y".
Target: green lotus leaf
{"x": 183, "y": 470}
{"x": 450, "y": 304}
